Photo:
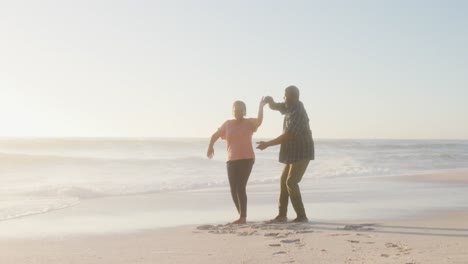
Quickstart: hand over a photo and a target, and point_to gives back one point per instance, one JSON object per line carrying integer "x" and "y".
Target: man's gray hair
{"x": 293, "y": 90}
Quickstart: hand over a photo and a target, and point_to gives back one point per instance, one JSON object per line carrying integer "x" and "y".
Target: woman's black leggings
{"x": 238, "y": 174}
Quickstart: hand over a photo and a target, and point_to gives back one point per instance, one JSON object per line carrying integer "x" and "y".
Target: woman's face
{"x": 238, "y": 111}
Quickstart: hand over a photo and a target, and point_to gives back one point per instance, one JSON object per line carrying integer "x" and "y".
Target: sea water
{"x": 42, "y": 176}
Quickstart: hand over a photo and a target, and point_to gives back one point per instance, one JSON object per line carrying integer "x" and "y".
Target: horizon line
{"x": 172, "y": 138}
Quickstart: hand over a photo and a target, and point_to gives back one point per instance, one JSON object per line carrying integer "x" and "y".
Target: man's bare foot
{"x": 301, "y": 219}
{"x": 240, "y": 221}
{"x": 279, "y": 219}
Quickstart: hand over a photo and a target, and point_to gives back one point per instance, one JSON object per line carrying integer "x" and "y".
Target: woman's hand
{"x": 263, "y": 102}
{"x": 210, "y": 152}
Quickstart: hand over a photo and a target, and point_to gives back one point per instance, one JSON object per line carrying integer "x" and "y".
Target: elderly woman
{"x": 240, "y": 154}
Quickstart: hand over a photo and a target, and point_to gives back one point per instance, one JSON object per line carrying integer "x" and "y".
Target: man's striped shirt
{"x": 296, "y": 123}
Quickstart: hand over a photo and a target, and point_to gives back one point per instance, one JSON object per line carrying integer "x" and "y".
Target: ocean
{"x": 40, "y": 176}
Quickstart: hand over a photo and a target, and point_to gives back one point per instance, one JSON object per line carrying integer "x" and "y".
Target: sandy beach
{"x": 138, "y": 132}
{"x": 435, "y": 237}
{"x": 447, "y": 177}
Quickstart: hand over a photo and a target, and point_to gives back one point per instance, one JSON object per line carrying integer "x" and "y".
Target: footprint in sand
{"x": 245, "y": 233}
{"x": 274, "y": 245}
{"x": 401, "y": 248}
{"x": 391, "y": 245}
{"x": 338, "y": 235}
{"x": 290, "y": 240}
{"x": 279, "y": 253}
{"x": 304, "y": 231}
{"x": 285, "y": 235}
{"x": 364, "y": 227}
{"x": 206, "y": 227}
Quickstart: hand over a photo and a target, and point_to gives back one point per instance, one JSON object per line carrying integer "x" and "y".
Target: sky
{"x": 365, "y": 69}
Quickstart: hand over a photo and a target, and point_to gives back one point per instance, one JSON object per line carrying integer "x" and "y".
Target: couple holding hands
{"x": 296, "y": 151}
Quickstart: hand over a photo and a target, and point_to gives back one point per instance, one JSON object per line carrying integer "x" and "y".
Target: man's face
{"x": 289, "y": 98}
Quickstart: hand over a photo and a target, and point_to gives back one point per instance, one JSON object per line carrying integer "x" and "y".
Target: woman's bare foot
{"x": 240, "y": 221}
{"x": 279, "y": 219}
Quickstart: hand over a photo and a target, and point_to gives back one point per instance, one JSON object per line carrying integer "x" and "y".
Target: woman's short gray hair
{"x": 241, "y": 105}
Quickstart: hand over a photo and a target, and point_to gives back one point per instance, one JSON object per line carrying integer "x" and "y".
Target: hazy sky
{"x": 366, "y": 69}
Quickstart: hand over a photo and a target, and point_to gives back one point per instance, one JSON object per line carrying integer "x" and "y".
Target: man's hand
{"x": 262, "y": 145}
{"x": 268, "y": 99}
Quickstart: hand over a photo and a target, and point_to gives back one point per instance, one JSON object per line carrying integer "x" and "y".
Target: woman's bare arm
{"x": 260, "y": 112}
{"x": 214, "y": 138}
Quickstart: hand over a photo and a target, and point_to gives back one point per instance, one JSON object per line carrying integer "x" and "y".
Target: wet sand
{"x": 435, "y": 237}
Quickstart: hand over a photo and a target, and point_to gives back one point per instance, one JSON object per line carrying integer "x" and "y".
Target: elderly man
{"x": 296, "y": 151}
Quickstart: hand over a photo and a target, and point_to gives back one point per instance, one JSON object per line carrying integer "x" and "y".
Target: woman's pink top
{"x": 238, "y": 135}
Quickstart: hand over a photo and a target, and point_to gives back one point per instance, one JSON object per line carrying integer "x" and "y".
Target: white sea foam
{"x": 20, "y": 206}
{"x": 40, "y": 175}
